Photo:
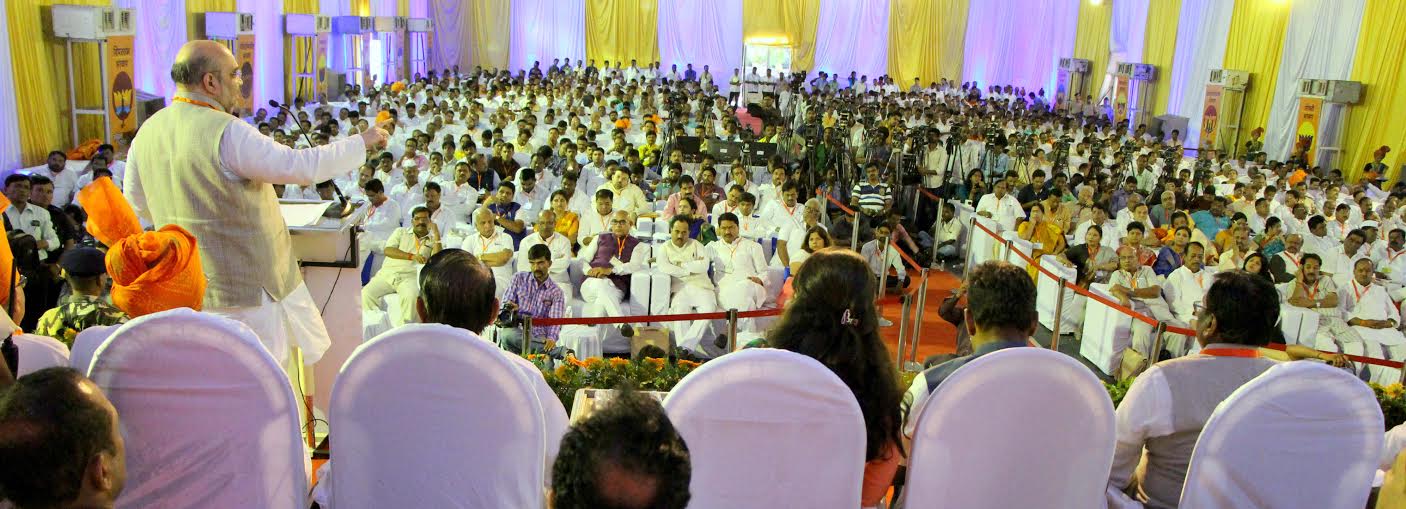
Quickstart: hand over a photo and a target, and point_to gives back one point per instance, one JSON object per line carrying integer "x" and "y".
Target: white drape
{"x": 1319, "y": 43}
{"x": 1018, "y": 42}
{"x": 702, "y": 33}
{"x": 547, "y": 29}
{"x": 334, "y": 7}
{"x": 1127, "y": 32}
{"x": 1201, "y": 39}
{"x": 161, "y": 30}
{"x": 419, "y": 8}
{"x": 845, "y": 38}
{"x": 384, "y": 7}
{"x": 9, "y": 124}
{"x": 453, "y": 35}
{"x": 268, "y": 50}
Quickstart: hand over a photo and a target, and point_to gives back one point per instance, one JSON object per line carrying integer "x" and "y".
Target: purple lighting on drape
{"x": 1018, "y": 42}
{"x": 547, "y": 29}
{"x": 702, "y": 33}
{"x": 451, "y": 38}
{"x": 852, "y": 36}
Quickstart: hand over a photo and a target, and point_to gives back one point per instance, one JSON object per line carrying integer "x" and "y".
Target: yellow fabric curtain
{"x": 1160, "y": 46}
{"x": 402, "y": 8}
{"x": 1255, "y": 44}
{"x": 794, "y": 19}
{"x": 622, "y": 30}
{"x": 195, "y": 22}
{"x": 41, "y": 80}
{"x": 1091, "y": 40}
{"x": 360, "y": 7}
{"x": 300, "y": 7}
{"x": 491, "y": 20}
{"x": 926, "y": 39}
{"x": 1380, "y": 65}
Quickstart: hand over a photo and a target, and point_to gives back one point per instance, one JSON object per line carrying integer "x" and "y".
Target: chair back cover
{"x": 1021, "y": 427}
{"x": 1302, "y": 434}
{"x": 554, "y": 415}
{"x": 769, "y": 428}
{"x": 428, "y": 415}
{"x": 39, "y": 352}
{"x": 209, "y": 416}
{"x": 87, "y": 341}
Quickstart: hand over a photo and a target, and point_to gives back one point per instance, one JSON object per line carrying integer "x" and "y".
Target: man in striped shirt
{"x": 533, "y": 293}
{"x": 873, "y": 197}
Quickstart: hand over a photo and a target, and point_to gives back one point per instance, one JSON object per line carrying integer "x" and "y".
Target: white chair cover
{"x": 1300, "y": 325}
{"x": 553, "y": 413}
{"x": 1047, "y": 295}
{"x": 1107, "y": 332}
{"x": 769, "y": 428}
{"x": 1022, "y": 427}
{"x": 1302, "y": 434}
{"x": 432, "y": 416}
{"x": 87, "y": 342}
{"x": 983, "y": 246}
{"x": 39, "y": 352}
{"x": 209, "y": 416}
{"x": 1018, "y": 244}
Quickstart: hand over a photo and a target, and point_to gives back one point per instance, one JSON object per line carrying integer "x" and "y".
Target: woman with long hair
{"x": 832, "y": 318}
{"x": 1256, "y": 263}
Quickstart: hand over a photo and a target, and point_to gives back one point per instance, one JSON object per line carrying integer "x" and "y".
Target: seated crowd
{"x": 566, "y": 192}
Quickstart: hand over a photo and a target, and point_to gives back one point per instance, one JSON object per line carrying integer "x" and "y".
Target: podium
{"x": 327, "y": 253}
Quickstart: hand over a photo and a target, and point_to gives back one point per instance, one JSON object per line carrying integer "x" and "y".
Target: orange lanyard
{"x": 202, "y": 104}
{"x": 1199, "y": 283}
{"x": 1358, "y": 293}
{"x": 1312, "y": 294}
{"x": 1246, "y": 353}
{"x": 1392, "y": 257}
{"x": 619, "y": 247}
{"x": 1296, "y": 261}
{"x": 732, "y": 256}
{"x": 483, "y": 244}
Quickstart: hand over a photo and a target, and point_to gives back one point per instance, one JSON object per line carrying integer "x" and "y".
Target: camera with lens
{"x": 508, "y": 317}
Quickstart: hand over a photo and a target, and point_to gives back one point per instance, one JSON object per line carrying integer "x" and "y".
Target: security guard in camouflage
{"x": 86, "y": 306}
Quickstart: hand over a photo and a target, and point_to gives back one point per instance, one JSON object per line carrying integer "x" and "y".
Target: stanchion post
{"x": 731, "y": 330}
{"x": 918, "y": 318}
{"x": 1058, "y": 315}
{"x": 1007, "y": 256}
{"x": 854, "y": 236}
{"x": 526, "y": 333}
{"x": 883, "y": 279}
{"x": 936, "y": 227}
{"x": 907, "y": 304}
{"x": 971, "y": 232}
{"x": 1157, "y": 332}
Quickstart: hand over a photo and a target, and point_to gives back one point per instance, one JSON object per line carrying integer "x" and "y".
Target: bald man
{"x": 195, "y": 165}
{"x": 611, "y": 259}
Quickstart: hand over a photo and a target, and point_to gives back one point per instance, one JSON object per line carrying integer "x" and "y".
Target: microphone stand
{"x": 346, "y": 208}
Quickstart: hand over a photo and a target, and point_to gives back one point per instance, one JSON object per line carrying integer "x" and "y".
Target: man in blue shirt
{"x": 872, "y": 198}
{"x": 1212, "y": 221}
{"x": 689, "y": 74}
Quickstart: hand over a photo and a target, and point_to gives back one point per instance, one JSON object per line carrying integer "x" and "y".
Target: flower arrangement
{"x": 648, "y": 374}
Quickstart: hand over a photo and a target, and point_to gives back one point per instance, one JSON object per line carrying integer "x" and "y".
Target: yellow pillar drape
{"x": 402, "y": 8}
{"x": 1160, "y": 45}
{"x": 490, "y": 24}
{"x": 41, "y": 78}
{"x": 1091, "y": 40}
{"x": 926, "y": 39}
{"x": 360, "y": 7}
{"x": 1255, "y": 44}
{"x": 620, "y": 30}
{"x": 195, "y": 21}
{"x": 794, "y": 19}
{"x": 1380, "y": 65}
{"x": 300, "y": 6}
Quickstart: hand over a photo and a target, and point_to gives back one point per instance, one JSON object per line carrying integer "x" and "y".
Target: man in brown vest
{"x": 196, "y": 165}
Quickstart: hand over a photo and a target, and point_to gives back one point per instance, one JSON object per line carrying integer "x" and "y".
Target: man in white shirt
{"x": 741, "y": 267}
{"x": 1372, "y": 315}
{"x": 1100, "y": 218}
{"x": 686, "y": 261}
{"x": 1189, "y": 283}
{"x": 411, "y": 191}
{"x": 751, "y": 225}
{"x": 882, "y": 256}
{"x": 382, "y": 217}
{"x": 544, "y": 232}
{"x": 1338, "y": 263}
{"x": 530, "y": 196}
{"x": 1001, "y": 206}
{"x": 457, "y": 194}
{"x": 949, "y": 231}
{"x": 442, "y": 216}
{"x": 65, "y": 180}
{"x": 493, "y": 247}
{"x": 596, "y": 220}
{"x": 28, "y": 218}
{"x": 1137, "y": 287}
{"x": 406, "y": 251}
{"x": 730, "y": 205}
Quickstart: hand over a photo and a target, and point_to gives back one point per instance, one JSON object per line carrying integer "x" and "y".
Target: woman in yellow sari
{"x": 567, "y": 221}
{"x": 1043, "y": 233}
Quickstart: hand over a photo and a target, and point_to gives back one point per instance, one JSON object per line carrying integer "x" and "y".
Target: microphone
{"x": 301, "y": 129}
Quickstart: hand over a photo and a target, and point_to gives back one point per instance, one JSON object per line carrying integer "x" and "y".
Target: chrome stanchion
{"x": 854, "y": 236}
{"x": 731, "y": 330}
{"x": 1157, "y": 332}
{"x": 918, "y": 318}
{"x": 526, "y": 334}
{"x": 971, "y": 231}
{"x": 907, "y": 302}
{"x": 1058, "y": 316}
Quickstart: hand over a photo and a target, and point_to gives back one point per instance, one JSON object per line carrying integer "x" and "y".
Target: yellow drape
{"x": 1380, "y": 64}
{"x": 195, "y": 20}
{"x": 360, "y": 7}
{"x": 490, "y": 21}
{"x": 1091, "y": 40}
{"x": 926, "y": 39}
{"x": 1160, "y": 45}
{"x": 622, "y": 30}
{"x": 300, "y": 7}
{"x": 402, "y": 8}
{"x": 1255, "y": 44}
{"x": 794, "y": 19}
{"x": 41, "y": 93}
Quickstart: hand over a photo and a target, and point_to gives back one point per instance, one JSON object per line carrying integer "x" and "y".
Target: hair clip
{"x": 846, "y": 319}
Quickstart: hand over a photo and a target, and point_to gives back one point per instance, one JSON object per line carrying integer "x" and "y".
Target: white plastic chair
{"x": 1299, "y": 325}
{"x": 1047, "y": 296}
{"x": 1302, "y": 434}
{"x": 983, "y": 246}
{"x": 433, "y": 416}
{"x": 553, "y": 412}
{"x": 87, "y": 342}
{"x": 39, "y": 352}
{"x": 1106, "y": 332}
{"x": 769, "y": 427}
{"x": 209, "y": 416}
{"x": 1021, "y": 427}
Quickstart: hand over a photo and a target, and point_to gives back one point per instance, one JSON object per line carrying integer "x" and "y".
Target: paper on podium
{"x": 302, "y": 213}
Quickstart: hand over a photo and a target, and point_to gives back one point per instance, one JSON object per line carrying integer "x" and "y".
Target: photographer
{"x": 531, "y": 294}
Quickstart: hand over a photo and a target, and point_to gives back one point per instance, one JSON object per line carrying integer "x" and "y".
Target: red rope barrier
{"x": 681, "y": 317}
{"x": 1355, "y": 358}
{"x": 930, "y": 196}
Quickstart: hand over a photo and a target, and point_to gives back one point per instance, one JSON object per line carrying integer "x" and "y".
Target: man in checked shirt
{"x": 533, "y": 293}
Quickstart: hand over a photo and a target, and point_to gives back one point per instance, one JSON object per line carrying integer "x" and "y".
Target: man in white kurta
{"x": 492, "y": 247}
{"x": 1375, "y": 318}
{"x": 742, "y": 268}
{"x": 545, "y": 232}
{"x": 196, "y": 166}
{"x": 406, "y": 251}
{"x": 1137, "y": 287}
{"x": 686, "y": 262}
{"x": 1001, "y": 206}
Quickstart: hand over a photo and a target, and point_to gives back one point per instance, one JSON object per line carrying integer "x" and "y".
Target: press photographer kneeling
{"x": 531, "y": 294}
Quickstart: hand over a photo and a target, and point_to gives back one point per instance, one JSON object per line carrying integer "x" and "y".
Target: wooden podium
{"x": 327, "y": 254}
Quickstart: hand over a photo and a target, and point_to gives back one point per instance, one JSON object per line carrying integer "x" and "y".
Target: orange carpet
{"x": 936, "y": 335}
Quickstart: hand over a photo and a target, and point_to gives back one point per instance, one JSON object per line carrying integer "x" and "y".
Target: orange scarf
{"x": 151, "y": 271}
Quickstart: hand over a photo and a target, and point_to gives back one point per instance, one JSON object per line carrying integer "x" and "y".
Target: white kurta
{"x": 736, "y": 264}
{"x": 693, "y": 291}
